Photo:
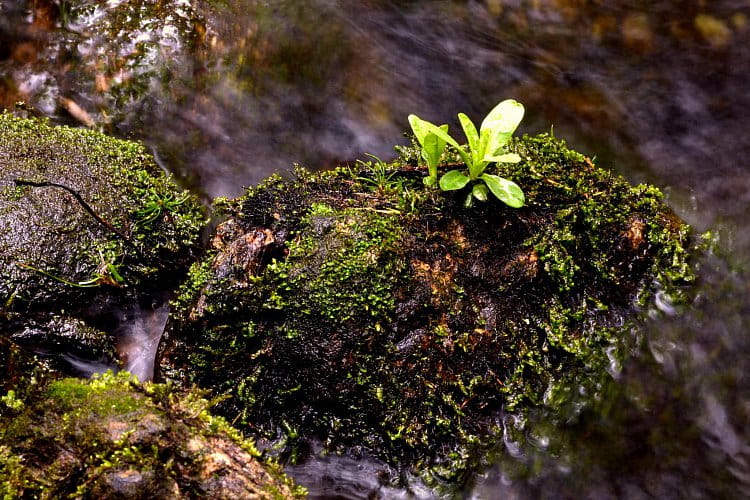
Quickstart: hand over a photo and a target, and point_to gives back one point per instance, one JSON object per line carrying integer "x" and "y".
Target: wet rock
{"x": 376, "y": 316}
{"x": 17, "y": 364}
{"x": 98, "y": 63}
{"x": 84, "y": 348}
{"x": 87, "y": 224}
{"x": 113, "y": 438}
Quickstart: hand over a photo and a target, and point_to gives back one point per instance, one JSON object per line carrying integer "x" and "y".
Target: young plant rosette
{"x": 484, "y": 147}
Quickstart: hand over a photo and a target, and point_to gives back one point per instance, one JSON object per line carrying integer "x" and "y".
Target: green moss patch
{"x": 111, "y": 437}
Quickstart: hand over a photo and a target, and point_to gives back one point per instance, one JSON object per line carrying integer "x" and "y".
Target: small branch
{"x": 86, "y": 206}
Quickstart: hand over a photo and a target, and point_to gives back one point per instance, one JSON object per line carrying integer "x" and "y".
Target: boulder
{"x": 88, "y": 224}
{"x": 359, "y": 308}
{"x": 110, "y": 437}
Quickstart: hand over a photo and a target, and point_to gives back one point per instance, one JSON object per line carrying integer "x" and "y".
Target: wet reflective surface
{"x": 227, "y": 94}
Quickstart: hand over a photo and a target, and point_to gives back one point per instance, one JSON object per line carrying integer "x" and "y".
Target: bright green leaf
{"x": 480, "y": 192}
{"x": 501, "y": 122}
{"x": 429, "y": 150}
{"x": 476, "y": 144}
{"x": 443, "y": 134}
{"x": 505, "y": 190}
{"x": 470, "y": 130}
{"x": 469, "y": 200}
{"x": 504, "y": 158}
{"x": 419, "y": 130}
{"x": 433, "y": 148}
{"x": 432, "y": 145}
{"x": 481, "y": 152}
{"x": 453, "y": 180}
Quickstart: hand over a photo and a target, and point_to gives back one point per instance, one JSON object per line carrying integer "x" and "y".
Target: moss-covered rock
{"x": 113, "y": 438}
{"x": 86, "y": 221}
{"x": 363, "y": 310}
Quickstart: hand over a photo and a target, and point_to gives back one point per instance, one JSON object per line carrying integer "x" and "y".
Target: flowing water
{"x": 656, "y": 90}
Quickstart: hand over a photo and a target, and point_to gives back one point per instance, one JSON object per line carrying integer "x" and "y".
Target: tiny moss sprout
{"x": 157, "y": 205}
{"x": 381, "y": 180}
{"x": 485, "y": 147}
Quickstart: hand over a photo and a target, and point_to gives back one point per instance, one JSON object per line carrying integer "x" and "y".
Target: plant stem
{"x": 86, "y": 206}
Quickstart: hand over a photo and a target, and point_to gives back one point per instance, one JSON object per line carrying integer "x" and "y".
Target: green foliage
{"x": 158, "y": 204}
{"x": 381, "y": 180}
{"x": 485, "y": 147}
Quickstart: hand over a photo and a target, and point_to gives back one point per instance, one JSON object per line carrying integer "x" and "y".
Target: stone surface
{"x": 87, "y": 224}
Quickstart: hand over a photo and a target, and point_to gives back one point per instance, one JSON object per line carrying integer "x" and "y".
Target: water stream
{"x": 656, "y": 90}
{"x": 138, "y": 338}
{"x": 137, "y": 332}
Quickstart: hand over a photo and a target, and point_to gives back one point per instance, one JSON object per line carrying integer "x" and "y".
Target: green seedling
{"x": 158, "y": 205}
{"x": 381, "y": 180}
{"x": 107, "y": 273}
{"x": 432, "y": 146}
{"x": 485, "y": 147}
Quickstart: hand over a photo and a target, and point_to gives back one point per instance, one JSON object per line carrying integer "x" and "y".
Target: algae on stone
{"x": 398, "y": 323}
{"x": 110, "y": 437}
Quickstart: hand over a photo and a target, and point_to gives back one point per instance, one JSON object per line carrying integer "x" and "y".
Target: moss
{"x": 103, "y": 396}
{"x": 49, "y": 239}
{"x": 110, "y": 436}
{"x": 346, "y": 281}
{"x": 197, "y": 278}
{"x": 330, "y": 308}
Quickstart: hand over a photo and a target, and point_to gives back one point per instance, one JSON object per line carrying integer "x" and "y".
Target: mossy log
{"x": 361, "y": 309}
